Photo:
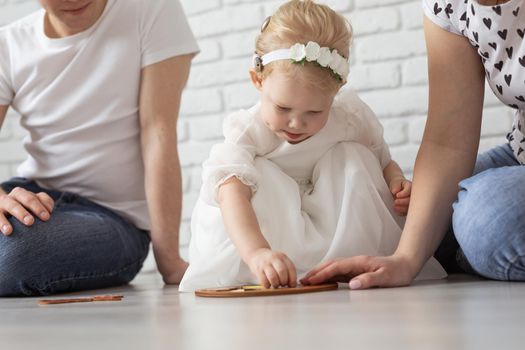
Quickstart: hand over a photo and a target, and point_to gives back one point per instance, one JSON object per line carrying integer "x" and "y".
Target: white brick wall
{"x": 388, "y": 68}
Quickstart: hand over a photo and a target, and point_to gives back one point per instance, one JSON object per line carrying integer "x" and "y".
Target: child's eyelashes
{"x": 288, "y": 109}
{"x": 283, "y": 109}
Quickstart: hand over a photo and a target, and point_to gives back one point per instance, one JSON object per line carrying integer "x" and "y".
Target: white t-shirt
{"x": 78, "y": 98}
{"x": 497, "y": 32}
{"x": 247, "y": 136}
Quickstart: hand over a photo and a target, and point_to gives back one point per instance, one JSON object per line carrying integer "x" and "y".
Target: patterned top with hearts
{"x": 497, "y": 32}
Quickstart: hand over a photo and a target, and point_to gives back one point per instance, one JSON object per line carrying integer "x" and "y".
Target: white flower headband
{"x": 311, "y": 52}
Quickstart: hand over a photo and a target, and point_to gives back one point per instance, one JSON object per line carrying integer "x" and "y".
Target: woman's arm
{"x": 271, "y": 268}
{"x": 446, "y": 156}
{"x": 160, "y": 94}
{"x": 450, "y": 141}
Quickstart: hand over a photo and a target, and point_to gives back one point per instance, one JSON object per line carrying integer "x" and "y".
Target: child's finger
{"x": 401, "y": 210}
{"x": 263, "y": 281}
{"x": 282, "y": 271}
{"x": 402, "y": 201}
{"x": 272, "y": 276}
{"x": 292, "y": 273}
{"x": 395, "y": 188}
{"x": 405, "y": 191}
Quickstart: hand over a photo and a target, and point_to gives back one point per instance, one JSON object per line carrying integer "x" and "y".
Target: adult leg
{"x": 82, "y": 246}
{"x": 489, "y": 222}
{"x": 449, "y": 253}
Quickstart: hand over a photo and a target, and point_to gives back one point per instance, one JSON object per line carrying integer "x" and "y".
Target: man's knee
{"x": 21, "y": 259}
{"x": 15, "y": 266}
{"x": 488, "y": 223}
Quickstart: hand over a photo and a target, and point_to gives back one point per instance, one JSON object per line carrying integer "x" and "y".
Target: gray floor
{"x": 459, "y": 313}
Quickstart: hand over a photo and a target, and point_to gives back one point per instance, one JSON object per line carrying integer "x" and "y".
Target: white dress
{"x": 320, "y": 199}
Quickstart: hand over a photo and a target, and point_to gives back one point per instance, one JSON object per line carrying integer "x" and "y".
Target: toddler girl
{"x": 304, "y": 175}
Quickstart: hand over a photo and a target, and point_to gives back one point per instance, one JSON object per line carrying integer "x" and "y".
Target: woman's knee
{"x": 488, "y": 223}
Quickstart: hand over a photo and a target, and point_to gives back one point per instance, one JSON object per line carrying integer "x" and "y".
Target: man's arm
{"x": 160, "y": 95}
{"x": 3, "y": 112}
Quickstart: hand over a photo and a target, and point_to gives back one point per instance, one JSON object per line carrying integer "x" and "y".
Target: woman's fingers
{"x": 339, "y": 270}
{"x": 368, "y": 280}
{"x": 315, "y": 270}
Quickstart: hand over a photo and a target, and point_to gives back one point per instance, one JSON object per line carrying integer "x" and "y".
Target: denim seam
{"x": 113, "y": 273}
{"x": 511, "y": 264}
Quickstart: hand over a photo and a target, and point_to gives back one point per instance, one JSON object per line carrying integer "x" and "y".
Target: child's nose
{"x": 296, "y": 123}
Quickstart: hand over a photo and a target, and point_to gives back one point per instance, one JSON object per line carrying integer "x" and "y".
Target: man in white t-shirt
{"x": 97, "y": 85}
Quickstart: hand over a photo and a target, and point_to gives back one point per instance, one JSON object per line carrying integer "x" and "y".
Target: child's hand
{"x": 273, "y": 269}
{"x": 401, "y": 189}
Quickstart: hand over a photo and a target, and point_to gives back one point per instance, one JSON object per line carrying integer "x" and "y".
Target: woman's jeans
{"x": 82, "y": 246}
{"x": 489, "y": 220}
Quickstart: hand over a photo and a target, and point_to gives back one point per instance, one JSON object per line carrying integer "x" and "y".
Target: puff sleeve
{"x": 245, "y": 137}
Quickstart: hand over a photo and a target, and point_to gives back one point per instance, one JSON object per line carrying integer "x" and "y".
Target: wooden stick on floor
{"x": 81, "y": 300}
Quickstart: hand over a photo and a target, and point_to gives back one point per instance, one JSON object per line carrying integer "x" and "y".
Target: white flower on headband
{"x": 325, "y": 57}
{"x": 312, "y": 51}
{"x": 338, "y": 64}
{"x": 297, "y": 52}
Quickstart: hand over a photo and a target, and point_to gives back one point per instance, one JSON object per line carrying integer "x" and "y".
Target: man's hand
{"x": 362, "y": 272}
{"x": 173, "y": 274}
{"x": 272, "y": 269}
{"x": 21, "y": 204}
{"x": 401, "y": 189}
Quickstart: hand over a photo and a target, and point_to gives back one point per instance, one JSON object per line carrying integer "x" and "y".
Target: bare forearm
{"x": 392, "y": 171}
{"x": 164, "y": 194}
{"x": 240, "y": 219}
{"x": 437, "y": 172}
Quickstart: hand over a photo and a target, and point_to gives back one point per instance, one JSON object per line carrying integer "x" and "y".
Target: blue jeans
{"x": 82, "y": 246}
{"x": 489, "y": 219}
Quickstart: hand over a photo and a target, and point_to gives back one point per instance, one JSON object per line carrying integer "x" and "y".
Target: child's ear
{"x": 256, "y": 79}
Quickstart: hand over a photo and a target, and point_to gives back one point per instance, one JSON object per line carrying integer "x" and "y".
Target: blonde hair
{"x": 301, "y": 21}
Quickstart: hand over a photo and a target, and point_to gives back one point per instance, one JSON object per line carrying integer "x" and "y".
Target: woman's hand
{"x": 23, "y": 204}
{"x": 272, "y": 269}
{"x": 401, "y": 189}
{"x": 363, "y": 272}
